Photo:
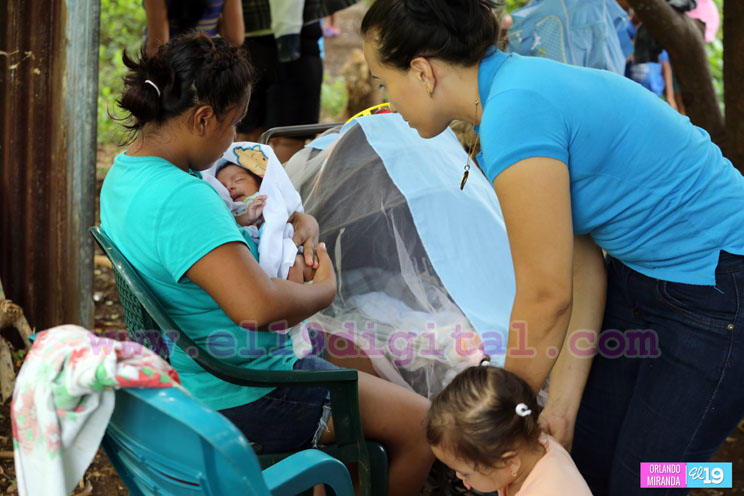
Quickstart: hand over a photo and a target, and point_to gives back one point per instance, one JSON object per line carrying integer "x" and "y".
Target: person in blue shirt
{"x": 587, "y": 163}
{"x": 649, "y": 65}
{"x": 176, "y": 231}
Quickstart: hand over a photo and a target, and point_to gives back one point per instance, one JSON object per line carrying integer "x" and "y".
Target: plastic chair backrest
{"x": 161, "y": 441}
{"x": 143, "y": 315}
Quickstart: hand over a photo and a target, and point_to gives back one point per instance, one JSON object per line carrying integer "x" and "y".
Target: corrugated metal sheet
{"x": 48, "y": 87}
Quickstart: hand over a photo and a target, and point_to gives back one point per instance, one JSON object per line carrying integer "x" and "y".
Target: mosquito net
{"x": 425, "y": 278}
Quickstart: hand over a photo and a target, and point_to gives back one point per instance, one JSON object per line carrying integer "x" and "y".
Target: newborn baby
{"x": 242, "y": 175}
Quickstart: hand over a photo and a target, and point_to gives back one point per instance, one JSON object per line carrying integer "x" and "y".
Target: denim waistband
{"x": 728, "y": 262}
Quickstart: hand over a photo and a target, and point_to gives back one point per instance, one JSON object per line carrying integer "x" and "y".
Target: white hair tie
{"x": 147, "y": 81}
{"x": 522, "y": 410}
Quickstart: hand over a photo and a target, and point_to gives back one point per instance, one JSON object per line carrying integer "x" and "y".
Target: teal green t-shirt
{"x": 164, "y": 220}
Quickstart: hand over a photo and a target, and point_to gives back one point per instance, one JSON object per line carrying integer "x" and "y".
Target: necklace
{"x": 474, "y": 141}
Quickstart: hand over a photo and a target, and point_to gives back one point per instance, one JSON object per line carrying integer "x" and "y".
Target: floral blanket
{"x": 64, "y": 398}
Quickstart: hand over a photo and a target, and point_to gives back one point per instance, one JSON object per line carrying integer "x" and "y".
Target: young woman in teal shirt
{"x": 185, "y": 102}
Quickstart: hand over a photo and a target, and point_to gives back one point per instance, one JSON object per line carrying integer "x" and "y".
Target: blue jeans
{"x": 673, "y": 397}
{"x": 288, "y": 418}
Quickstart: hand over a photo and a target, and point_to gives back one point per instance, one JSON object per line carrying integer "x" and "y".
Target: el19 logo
{"x": 709, "y": 474}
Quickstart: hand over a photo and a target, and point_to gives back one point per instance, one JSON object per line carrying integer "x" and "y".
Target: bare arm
{"x": 157, "y": 25}
{"x": 535, "y": 199}
{"x": 232, "y": 26}
{"x": 571, "y": 370}
{"x": 233, "y": 278}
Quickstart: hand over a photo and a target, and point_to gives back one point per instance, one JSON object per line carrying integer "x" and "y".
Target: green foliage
{"x": 515, "y": 4}
{"x": 332, "y": 97}
{"x": 122, "y": 27}
{"x": 715, "y": 58}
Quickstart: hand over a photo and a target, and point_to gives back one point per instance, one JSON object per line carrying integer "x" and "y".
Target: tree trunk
{"x": 733, "y": 80}
{"x": 682, "y": 38}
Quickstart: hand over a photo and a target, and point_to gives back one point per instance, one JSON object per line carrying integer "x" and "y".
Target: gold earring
{"x": 428, "y": 91}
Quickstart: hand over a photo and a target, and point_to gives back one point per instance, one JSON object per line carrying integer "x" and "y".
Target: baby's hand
{"x": 256, "y": 207}
{"x": 253, "y": 212}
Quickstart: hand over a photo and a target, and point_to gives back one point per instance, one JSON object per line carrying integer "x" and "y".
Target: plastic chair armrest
{"x": 341, "y": 383}
{"x": 305, "y": 469}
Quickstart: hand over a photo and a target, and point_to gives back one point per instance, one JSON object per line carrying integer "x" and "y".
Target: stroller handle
{"x": 294, "y": 131}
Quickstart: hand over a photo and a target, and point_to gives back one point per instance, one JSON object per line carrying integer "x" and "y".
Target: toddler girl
{"x": 484, "y": 426}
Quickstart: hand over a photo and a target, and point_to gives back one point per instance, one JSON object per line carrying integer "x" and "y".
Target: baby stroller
{"x": 425, "y": 277}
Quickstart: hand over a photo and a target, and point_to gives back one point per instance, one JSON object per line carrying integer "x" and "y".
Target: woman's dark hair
{"x": 475, "y": 416}
{"x": 191, "y": 69}
{"x": 184, "y": 15}
{"x": 456, "y": 31}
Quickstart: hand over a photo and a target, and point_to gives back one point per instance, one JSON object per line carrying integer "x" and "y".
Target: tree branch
{"x": 733, "y": 77}
{"x": 683, "y": 40}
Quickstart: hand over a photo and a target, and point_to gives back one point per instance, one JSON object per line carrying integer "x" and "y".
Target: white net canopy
{"x": 425, "y": 278}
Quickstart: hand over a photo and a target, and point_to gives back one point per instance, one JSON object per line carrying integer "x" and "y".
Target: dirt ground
{"x": 337, "y": 49}
{"x": 101, "y": 479}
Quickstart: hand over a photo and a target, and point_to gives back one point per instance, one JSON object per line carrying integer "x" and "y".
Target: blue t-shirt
{"x": 164, "y": 220}
{"x": 650, "y": 187}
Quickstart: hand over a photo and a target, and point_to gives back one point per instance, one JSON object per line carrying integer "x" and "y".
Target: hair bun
{"x": 223, "y": 60}
{"x": 456, "y": 31}
{"x": 435, "y": 12}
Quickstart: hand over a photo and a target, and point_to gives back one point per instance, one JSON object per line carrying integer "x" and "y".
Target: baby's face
{"x": 238, "y": 182}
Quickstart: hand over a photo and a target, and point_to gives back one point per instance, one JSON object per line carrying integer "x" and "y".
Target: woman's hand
{"x": 325, "y": 276}
{"x": 558, "y": 424}
{"x": 306, "y": 233}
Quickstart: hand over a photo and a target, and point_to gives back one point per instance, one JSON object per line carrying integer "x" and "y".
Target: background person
{"x": 168, "y": 18}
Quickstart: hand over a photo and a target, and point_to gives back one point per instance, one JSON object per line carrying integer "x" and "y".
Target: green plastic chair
{"x": 143, "y": 314}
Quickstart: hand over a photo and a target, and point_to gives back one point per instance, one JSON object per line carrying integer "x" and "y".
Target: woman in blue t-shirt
{"x": 174, "y": 228}
{"x": 582, "y": 161}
